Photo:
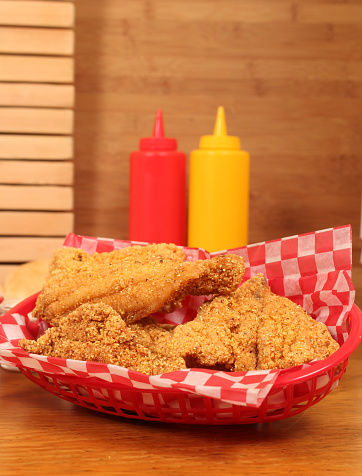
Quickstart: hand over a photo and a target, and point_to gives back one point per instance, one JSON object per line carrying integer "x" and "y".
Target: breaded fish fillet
{"x": 153, "y": 335}
{"x": 288, "y": 336}
{"x": 136, "y": 281}
{"x": 68, "y": 259}
{"x": 223, "y": 335}
{"x": 97, "y": 333}
{"x": 251, "y": 329}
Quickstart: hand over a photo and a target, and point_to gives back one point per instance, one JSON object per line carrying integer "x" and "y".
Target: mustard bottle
{"x": 218, "y": 211}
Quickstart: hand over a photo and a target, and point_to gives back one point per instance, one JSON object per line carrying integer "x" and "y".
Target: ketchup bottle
{"x": 157, "y": 198}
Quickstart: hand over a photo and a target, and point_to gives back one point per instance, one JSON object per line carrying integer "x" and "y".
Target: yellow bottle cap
{"x": 220, "y": 139}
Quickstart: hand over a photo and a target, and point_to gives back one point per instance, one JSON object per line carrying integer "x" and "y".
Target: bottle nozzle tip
{"x": 220, "y": 123}
{"x": 158, "y": 130}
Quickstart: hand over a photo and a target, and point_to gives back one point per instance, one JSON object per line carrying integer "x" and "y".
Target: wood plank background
{"x": 288, "y": 73}
{"x": 36, "y": 126}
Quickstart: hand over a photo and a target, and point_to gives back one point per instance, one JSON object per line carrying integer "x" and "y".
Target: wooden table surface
{"x": 42, "y": 434}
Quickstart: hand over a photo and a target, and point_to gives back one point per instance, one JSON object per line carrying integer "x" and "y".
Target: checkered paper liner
{"x": 313, "y": 270}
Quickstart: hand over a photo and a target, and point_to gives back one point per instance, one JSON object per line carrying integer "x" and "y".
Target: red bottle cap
{"x": 158, "y": 141}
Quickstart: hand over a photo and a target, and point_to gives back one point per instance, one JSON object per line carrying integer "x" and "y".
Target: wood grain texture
{"x": 39, "y": 147}
{"x": 48, "y": 69}
{"x": 288, "y": 74}
{"x": 36, "y": 110}
{"x": 36, "y": 197}
{"x": 38, "y": 95}
{"x": 36, "y": 172}
{"x": 19, "y": 223}
{"x": 325, "y": 440}
{"x": 23, "y": 249}
{"x": 42, "y": 41}
{"x": 36, "y": 121}
{"x": 37, "y": 13}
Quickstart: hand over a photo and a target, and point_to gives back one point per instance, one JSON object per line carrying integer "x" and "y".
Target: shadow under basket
{"x": 294, "y": 391}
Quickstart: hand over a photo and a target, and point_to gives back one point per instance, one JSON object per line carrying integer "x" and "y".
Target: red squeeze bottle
{"x": 157, "y": 198}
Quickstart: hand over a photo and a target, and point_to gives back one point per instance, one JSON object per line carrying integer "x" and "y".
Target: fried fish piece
{"x": 153, "y": 335}
{"x": 69, "y": 259}
{"x": 224, "y": 333}
{"x": 251, "y": 329}
{"x": 97, "y": 333}
{"x": 288, "y": 336}
{"x": 136, "y": 281}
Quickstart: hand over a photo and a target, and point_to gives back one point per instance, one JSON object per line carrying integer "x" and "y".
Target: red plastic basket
{"x": 294, "y": 390}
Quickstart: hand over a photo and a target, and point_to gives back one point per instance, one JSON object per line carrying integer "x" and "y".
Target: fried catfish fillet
{"x": 288, "y": 336}
{"x": 97, "y": 333}
{"x": 153, "y": 335}
{"x": 223, "y": 335}
{"x": 136, "y": 281}
{"x": 251, "y": 329}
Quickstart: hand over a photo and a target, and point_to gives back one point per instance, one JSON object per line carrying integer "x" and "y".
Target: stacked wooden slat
{"x": 36, "y": 127}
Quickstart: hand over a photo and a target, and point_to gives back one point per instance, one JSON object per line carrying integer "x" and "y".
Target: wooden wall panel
{"x": 37, "y": 13}
{"x": 36, "y": 172}
{"x": 43, "y": 41}
{"x": 34, "y": 197}
{"x": 19, "y": 249}
{"x": 27, "y": 223}
{"x": 39, "y": 147}
{"x": 36, "y": 129}
{"x": 36, "y": 121}
{"x": 37, "y": 95}
{"x": 289, "y": 74}
{"x": 36, "y": 69}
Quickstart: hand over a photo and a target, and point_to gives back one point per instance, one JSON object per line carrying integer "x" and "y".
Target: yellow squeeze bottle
{"x": 218, "y": 212}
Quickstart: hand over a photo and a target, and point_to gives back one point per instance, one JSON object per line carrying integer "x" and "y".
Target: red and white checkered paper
{"x": 313, "y": 270}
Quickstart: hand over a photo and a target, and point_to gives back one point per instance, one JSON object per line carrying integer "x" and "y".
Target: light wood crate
{"x": 36, "y": 129}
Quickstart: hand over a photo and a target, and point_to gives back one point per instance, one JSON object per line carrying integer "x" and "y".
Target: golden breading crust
{"x": 288, "y": 336}
{"x": 136, "y": 281}
{"x": 97, "y": 333}
{"x": 252, "y": 329}
{"x": 223, "y": 334}
{"x": 153, "y": 335}
{"x": 249, "y": 329}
